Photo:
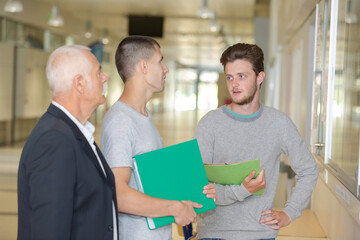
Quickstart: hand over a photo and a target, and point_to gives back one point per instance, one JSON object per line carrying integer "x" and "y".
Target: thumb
{"x": 250, "y": 176}
{"x": 196, "y": 205}
{"x": 261, "y": 174}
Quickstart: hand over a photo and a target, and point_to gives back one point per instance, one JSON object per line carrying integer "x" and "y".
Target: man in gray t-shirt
{"x": 128, "y": 130}
{"x": 246, "y": 130}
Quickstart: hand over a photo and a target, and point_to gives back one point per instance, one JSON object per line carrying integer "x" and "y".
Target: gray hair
{"x": 64, "y": 64}
{"x": 130, "y": 51}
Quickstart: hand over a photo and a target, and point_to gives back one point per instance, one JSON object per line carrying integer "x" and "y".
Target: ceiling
{"x": 186, "y": 38}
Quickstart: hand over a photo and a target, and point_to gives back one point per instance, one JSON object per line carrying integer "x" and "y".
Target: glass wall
{"x": 195, "y": 89}
{"x": 185, "y": 92}
{"x": 30, "y": 47}
{"x": 346, "y": 100}
{"x": 321, "y": 76}
{"x": 336, "y": 105}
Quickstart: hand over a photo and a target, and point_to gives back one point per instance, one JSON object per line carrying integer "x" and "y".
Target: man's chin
{"x": 161, "y": 89}
{"x": 103, "y": 100}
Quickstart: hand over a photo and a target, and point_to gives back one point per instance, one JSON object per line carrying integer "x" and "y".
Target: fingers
{"x": 187, "y": 214}
{"x": 261, "y": 179}
{"x": 274, "y": 226}
{"x": 250, "y": 176}
{"x": 210, "y": 186}
{"x": 254, "y": 185}
{"x": 266, "y": 212}
{"x": 275, "y": 219}
{"x": 194, "y": 204}
{"x": 210, "y": 191}
{"x": 261, "y": 174}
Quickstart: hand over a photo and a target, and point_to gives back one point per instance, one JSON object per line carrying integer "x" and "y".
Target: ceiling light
{"x": 351, "y": 17}
{"x": 88, "y": 32}
{"x": 214, "y": 27}
{"x": 204, "y": 11}
{"x": 55, "y": 19}
{"x": 105, "y": 40}
{"x": 13, "y": 6}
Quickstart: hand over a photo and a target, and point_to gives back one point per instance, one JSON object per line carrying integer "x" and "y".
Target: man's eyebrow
{"x": 238, "y": 73}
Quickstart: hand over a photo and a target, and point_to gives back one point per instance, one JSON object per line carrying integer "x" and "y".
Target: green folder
{"x": 232, "y": 173}
{"x": 174, "y": 173}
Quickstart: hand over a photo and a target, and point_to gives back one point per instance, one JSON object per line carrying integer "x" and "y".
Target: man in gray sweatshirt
{"x": 246, "y": 130}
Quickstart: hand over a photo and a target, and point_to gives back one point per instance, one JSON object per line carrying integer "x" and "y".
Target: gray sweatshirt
{"x": 225, "y": 138}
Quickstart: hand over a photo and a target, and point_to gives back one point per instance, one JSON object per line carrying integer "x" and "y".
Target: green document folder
{"x": 174, "y": 173}
{"x": 232, "y": 173}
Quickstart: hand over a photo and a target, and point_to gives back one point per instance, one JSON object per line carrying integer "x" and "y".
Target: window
{"x": 336, "y": 103}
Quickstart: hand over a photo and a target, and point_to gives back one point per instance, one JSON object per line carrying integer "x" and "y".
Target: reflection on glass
{"x": 346, "y": 102}
{"x": 185, "y": 93}
{"x": 209, "y": 77}
{"x": 196, "y": 90}
{"x": 321, "y": 76}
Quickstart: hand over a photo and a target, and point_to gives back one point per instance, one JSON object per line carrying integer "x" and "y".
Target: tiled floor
{"x": 174, "y": 128}
{"x": 303, "y": 228}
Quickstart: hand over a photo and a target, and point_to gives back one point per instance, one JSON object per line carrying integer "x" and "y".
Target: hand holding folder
{"x": 235, "y": 173}
{"x": 255, "y": 185}
{"x": 173, "y": 173}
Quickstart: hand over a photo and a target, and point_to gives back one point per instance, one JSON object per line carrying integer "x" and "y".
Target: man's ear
{"x": 260, "y": 77}
{"x": 79, "y": 83}
{"x": 143, "y": 66}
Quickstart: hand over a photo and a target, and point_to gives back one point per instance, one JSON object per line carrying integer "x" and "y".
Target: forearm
{"x": 229, "y": 194}
{"x": 134, "y": 202}
{"x": 301, "y": 195}
{"x": 303, "y": 164}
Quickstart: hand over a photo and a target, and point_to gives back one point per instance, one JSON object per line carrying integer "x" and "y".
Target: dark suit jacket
{"x": 62, "y": 190}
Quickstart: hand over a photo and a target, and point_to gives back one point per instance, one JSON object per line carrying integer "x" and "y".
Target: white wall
{"x": 32, "y": 90}
{"x": 261, "y": 32}
{"x": 6, "y": 81}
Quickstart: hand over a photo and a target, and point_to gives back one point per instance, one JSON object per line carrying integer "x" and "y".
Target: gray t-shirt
{"x": 125, "y": 134}
{"x": 225, "y": 138}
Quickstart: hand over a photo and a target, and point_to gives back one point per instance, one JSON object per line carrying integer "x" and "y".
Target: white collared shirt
{"x": 88, "y": 131}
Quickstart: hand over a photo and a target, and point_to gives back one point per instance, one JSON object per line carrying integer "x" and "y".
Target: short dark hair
{"x": 130, "y": 51}
{"x": 249, "y": 52}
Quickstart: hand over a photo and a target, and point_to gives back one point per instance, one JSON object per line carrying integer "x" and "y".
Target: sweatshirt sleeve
{"x": 229, "y": 194}
{"x": 303, "y": 164}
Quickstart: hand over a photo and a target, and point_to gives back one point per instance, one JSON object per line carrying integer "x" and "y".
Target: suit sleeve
{"x": 205, "y": 135}
{"x": 51, "y": 175}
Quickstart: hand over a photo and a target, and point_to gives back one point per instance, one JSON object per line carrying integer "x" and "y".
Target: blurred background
{"x": 312, "y": 65}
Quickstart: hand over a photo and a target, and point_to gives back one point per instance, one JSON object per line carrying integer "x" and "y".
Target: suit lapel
{"x": 78, "y": 134}
{"x": 104, "y": 163}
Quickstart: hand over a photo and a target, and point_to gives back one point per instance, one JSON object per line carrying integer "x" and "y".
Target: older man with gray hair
{"x": 66, "y": 189}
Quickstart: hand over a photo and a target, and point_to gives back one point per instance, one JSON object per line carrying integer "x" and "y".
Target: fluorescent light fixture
{"x": 88, "y": 31}
{"x": 214, "y": 26}
{"x": 105, "y": 40}
{"x": 13, "y": 6}
{"x": 55, "y": 20}
{"x": 351, "y": 17}
{"x": 204, "y": 11}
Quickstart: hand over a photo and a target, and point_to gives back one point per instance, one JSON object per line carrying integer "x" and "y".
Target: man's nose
{"x": 235, "y": 83}
{"x": 166, "y": 70}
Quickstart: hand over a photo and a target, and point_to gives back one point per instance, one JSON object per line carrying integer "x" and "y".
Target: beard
{"x": 247, "y": 99}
